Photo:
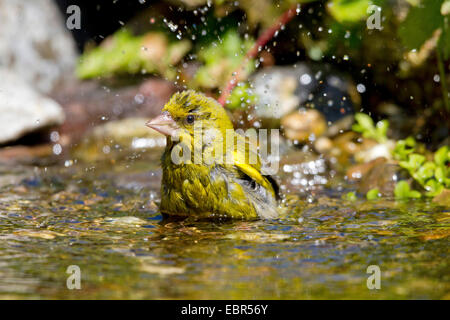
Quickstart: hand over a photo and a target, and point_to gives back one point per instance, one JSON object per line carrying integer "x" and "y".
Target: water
{"x": 101, "y": 218}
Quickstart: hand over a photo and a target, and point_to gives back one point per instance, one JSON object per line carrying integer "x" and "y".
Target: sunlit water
{"x": 104, "y": 219}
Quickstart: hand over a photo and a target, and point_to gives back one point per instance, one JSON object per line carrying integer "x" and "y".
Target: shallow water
{"x": 104, "y": 219}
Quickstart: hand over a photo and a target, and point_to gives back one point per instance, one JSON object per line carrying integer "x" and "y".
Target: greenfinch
{"x": 212, "y": 179}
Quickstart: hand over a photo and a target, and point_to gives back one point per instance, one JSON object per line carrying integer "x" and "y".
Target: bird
{"x": 213, "y": 179}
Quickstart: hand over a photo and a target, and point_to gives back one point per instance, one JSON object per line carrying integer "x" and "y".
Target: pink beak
{"x": 164, "y": 124}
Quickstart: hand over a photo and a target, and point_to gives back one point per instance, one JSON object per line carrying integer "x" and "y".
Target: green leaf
{"x": 413, "y": 163}
{"x": 414, "y": 194}
{"x": 381, "y": 130}
{"x": 350, "y": 196}
{"x": 403, "y": 191}
{"x": 403, "y": 148}
{"x": 426, "y": 171}
{"x": 364, "y": 123}
{"x": 433, "y": 188}
{"x": 441, "y": 156}
{"x": 420, "y": 23}
{"x": 221, "y": 58}
{"x": 416, "y": 159}
{"x": 373, "y": 194}
{"x": 241, "y": 97}
{"x": 445, "y": 8}
{"x": 444, "y": 39}
{"x": 439, "y": 174}
{"x": 349, "y": 10}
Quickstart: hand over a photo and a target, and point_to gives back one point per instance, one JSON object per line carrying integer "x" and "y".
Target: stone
{"x": 323, "y": 145}
{"x": 90, "y": 103}
{"x": 443, "y": 198}
{"x": 384, "y": 176}
{"x": 378, "y": 150}
{"x": 25, "y": 154}
{"x": 35, "y": 44}
{"x": 23, "y": 109}
{"x": 119, "y": 138}
{"x": 282, "y": 89}
{"x": 356, "y": 172}
{"x": 304, "y": 125}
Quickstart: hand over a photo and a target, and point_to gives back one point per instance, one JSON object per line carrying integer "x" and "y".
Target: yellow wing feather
{"x": 242, "y": 157}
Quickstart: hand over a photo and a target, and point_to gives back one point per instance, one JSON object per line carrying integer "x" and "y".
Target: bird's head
{"x": 188, "y": 110}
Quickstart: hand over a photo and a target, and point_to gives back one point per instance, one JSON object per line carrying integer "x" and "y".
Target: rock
{"x": 340, "y": 126}
{"x": 161, "y": 270}
{"x": 304, "y": 125}
{"x": 443, "y": 198}
{"x": 383, "y": 175}
{"x": 42, "y": 234}
{"x": 90, "y": 103}
{"x": 35, "y": 44}
{"x": 114, "y": 139}
{"x": 347, "y": 144}
{"x": 323, "y": 145}
{"x": 358, "y": 171}
{"x": 378, "y": 150}
{"x": 126, "y": 221}
{"x": 275, "y": 89}
{"x": 25, "y": 154}
{"x": 24, "y": 110}
{"x": 280, "y": 90}
{"x": 303, "y": 172}
{"x": 259, "y": 237}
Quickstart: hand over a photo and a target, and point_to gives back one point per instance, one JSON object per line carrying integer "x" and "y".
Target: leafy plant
{"x": 373, "y": 194}
{"x": 403, "y": 191}
{"x": 348, "y": 10}
{"x": 124, "y": 53}
{"x": 433, "y": 176}
{"x": 349, "y": 196}
{"x": 365, "y": 125}
{"x": 242, "y": 96}
{"x": 403, "y": 148}
{"x": 425, "y": 20}
{"x": 221, "y": 58}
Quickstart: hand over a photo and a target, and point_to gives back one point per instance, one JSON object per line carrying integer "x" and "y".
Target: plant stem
{"x": 257, "y": 47}
{"x": 443, "y": 80}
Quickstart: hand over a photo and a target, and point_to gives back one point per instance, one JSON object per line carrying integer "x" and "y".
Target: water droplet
{"x": 361, "y": 88}
{"x": 305, "y": 79}
{"x": 54, "y": 136}
{"x": 57, "y": 149}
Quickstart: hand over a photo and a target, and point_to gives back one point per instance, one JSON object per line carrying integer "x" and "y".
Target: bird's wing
{"x": 247, "y": 160}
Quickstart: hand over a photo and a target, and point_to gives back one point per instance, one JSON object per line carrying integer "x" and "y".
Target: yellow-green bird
{"x": 217, "y": 181}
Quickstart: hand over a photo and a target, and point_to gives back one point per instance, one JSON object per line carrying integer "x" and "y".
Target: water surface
{"x": 104, "y": 218}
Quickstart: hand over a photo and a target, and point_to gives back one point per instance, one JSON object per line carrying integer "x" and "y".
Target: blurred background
{"x": 119, "y": 59}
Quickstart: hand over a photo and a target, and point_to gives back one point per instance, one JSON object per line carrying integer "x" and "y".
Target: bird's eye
{"x": 190, "y": 119}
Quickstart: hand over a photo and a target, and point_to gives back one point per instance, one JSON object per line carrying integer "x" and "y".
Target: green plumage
{"x": 212, "y": 188}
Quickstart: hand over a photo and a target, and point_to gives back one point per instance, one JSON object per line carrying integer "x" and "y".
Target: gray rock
{"x": 35, "y": 43}
{"x": 283, "y": 89}
{"x": 23, "y": 109}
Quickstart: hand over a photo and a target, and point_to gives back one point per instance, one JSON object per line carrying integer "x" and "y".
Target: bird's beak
{"x": 164, "y": 124}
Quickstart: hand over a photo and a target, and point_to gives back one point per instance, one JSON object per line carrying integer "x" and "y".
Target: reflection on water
{"x": 105, "y": 219}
